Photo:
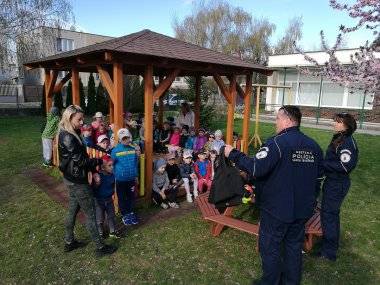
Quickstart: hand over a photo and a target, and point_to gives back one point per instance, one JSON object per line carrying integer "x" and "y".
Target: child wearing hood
{"x": 188, "y": 175}
{"x": 218, "y": 142}
{"x": 163, "y": 195}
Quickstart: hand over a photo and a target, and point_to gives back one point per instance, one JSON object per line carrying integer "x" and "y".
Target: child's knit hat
{"x": 158, "y": 163}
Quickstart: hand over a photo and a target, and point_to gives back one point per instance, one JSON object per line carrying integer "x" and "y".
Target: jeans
{"x": 47, "y": 150}
{"x": 334, "y": 192}
{"x": 105, "y": 205}
{"x": 126, "y": 196}
{"x": 81, "y": 197}
{"x": 280, "y": 268}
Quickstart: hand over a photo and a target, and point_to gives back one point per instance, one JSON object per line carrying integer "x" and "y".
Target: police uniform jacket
{"x": 340, "y": 160}
{"x": 289, "y": 166}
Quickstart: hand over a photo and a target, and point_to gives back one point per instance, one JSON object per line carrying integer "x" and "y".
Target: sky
{"x": 122, "y": 17}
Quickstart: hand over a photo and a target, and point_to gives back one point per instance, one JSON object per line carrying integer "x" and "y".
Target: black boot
{"x": 73, "y": 245}
{"x": 105, "y": 250}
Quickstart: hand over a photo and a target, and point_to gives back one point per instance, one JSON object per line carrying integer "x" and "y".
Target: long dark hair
{"x": 349, "y": 122}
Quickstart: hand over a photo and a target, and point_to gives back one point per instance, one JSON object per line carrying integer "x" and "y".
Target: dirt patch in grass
{"x": 57, "y": 191}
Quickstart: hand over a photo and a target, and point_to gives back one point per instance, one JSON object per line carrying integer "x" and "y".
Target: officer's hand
{"x": 227, "y": 149}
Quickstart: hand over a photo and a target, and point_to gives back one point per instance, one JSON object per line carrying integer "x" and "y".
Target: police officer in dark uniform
{"x": 289, "y": 167}
{"x": 341, "y": 158}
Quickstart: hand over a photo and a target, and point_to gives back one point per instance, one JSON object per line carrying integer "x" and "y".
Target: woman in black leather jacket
{"x": 76, "y": 166}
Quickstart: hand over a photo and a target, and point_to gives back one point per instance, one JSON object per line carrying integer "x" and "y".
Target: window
{"x": 177, "y": 79}
{"x": 308, "y": 93}
{"x": 332, "y": 95}
{"x": 355, "y": 99}
{"x": 65, "y": 44}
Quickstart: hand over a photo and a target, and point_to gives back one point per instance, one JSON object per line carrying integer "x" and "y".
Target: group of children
{"x": 189, "y": 162}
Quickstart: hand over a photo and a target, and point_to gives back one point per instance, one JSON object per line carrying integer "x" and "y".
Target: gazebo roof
{"x": 137, "y": 49}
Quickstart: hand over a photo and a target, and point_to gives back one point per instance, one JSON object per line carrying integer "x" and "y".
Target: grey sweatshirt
{"x": 160, "y": 180}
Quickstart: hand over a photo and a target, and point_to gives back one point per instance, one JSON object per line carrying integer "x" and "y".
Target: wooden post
{"x": 247, "y": 112}
{"x": 197, "y": 103}
{"x": 48, "y": 99}
{"x": 148, "y": 110}
{"x": 75, "y": 86}
{"x": 118, "y": 97}
{"x": 231, "y": 111}
{"x": 160, "y": 106}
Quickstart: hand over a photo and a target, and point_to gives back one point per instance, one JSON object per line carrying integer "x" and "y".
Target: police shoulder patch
{"x": 345, "y": 157}
{"x": 262, "y": 153}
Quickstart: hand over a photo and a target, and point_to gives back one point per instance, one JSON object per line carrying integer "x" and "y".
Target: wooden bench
{"x": 220, "y": 220}
{"x": 313, "y": 228}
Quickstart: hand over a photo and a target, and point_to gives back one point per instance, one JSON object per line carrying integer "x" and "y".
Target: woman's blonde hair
{"x": 65, "y": 123}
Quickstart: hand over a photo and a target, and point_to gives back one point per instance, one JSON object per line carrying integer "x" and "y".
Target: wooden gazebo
{"x": 149, "y": 54}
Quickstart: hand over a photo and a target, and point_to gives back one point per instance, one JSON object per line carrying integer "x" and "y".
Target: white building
{"x": 308, "y": 91}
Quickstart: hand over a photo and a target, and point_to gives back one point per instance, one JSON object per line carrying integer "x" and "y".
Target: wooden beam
{"x": 48, "y": 99}
{"x": 148, "y": 110}
{"x": 118, "y": 102}
{"x": 247, "y": 112}
{"x": 197, "y": 103}
{"x": 108, "y": 56}
{"x": 75, "y": 86}
{"x": 106, "y": 81}
{"x": 223, "y": 88}
{"x": 165, "y": 84}
{"x": 231, "y": 111}
{"x": 58, "y": 87}
{"x": 53, "y": 79}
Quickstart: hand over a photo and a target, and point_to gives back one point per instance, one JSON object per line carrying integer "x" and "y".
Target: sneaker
{"x": 195, "y": 194}
{"x": 115, "y": 234}
{"x": 105, "y": 250}
{"x": 164, "y": 206}
{"x": 47, "y": 164}
{"x": 135, "y": 220}
{"x": 73, "y": 245}
{"x": 189, "y": 199}
{"x": 127, "y": 220}
{"x": 173, "y": 205}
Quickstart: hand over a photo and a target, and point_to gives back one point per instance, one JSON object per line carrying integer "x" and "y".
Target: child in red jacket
{"x": 203, "y": 171}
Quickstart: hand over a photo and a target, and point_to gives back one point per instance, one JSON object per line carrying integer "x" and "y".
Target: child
{"x": 236, "y": 141}
{"x": 184, "y": 136}
{"x": 104, "y": 189}
{"x": 87, "y": 136}
{"x": 162, "y": 193}
{"x": 98, "y": 119}
{"x": 208, "y": 145}
{"x": 125, "y": 157}
{"x": 203, "y": 171}
{"x": 50, "y": 131}
{"x": 188, "y": 175}
{"x": 190, "y": 141}
{"x": 103, "y": 144}
{"x": 200, "y": 140}
{"x": 213, "y": 156}
{"x": 156, "y": 137}
{"x": 218, "y": 142}
{"x": 173, "y": 172}
{"x": 101, "y": 130}
{"x": 174, "y": 141}
{"x": 164, "y": 137}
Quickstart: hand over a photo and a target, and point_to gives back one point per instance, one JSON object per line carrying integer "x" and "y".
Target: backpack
{"x": 227, "y": 188}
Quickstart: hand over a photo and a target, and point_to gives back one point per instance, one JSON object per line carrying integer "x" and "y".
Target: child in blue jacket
{"x": 125, "y": 157}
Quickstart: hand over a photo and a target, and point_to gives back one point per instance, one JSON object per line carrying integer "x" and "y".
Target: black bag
{"x": 227, "y": 188}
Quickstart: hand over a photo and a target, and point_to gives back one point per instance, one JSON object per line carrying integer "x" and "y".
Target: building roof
{"x": 151, "y": 44}
{"x": 297, "y": 59}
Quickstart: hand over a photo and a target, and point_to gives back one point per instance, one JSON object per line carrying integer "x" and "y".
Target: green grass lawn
{"x": 179, "y": 251}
